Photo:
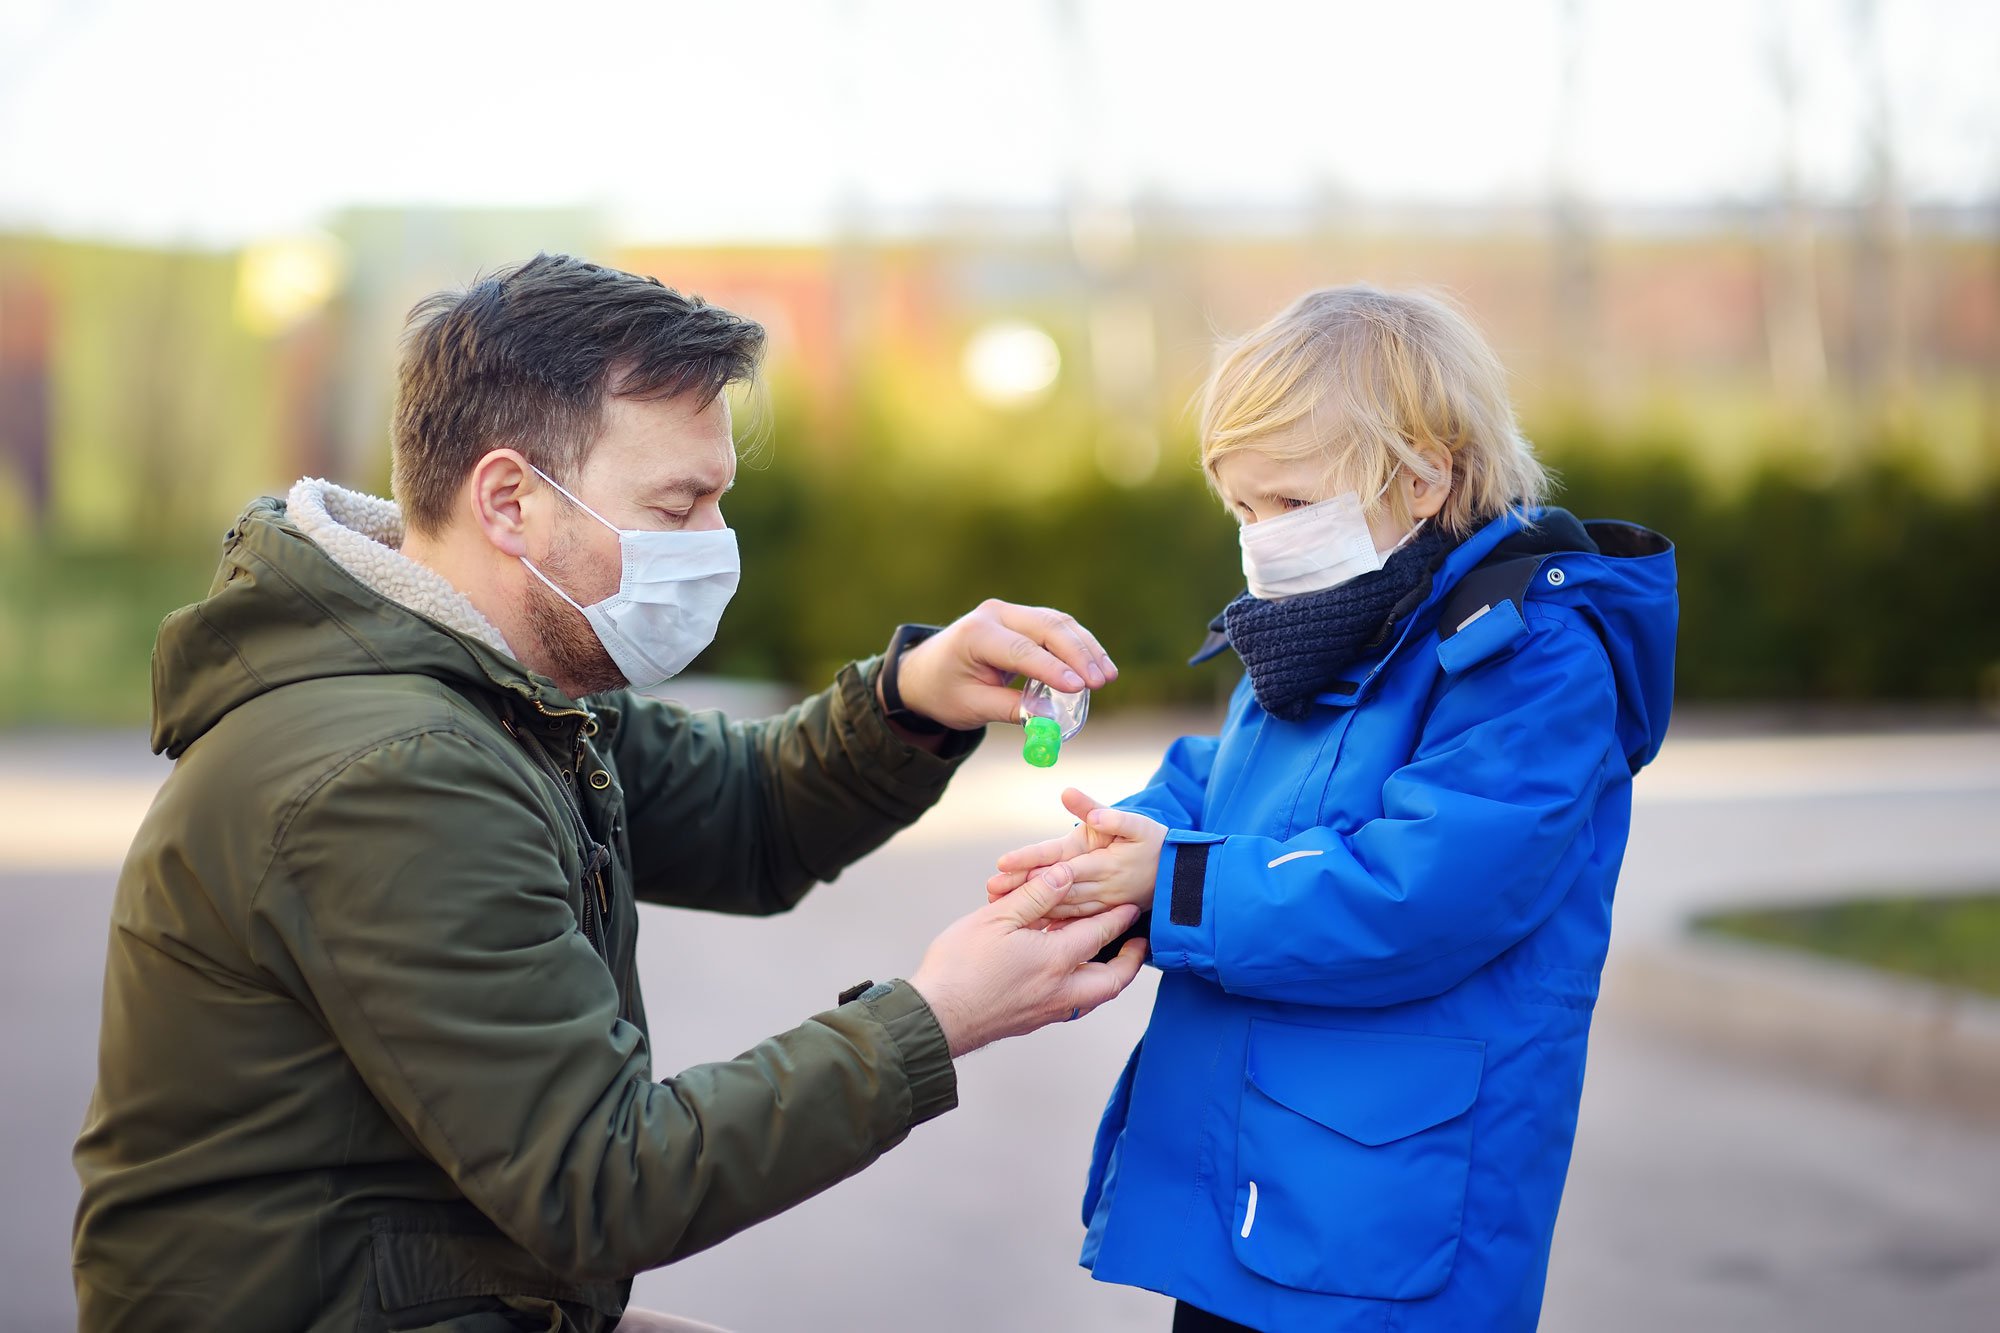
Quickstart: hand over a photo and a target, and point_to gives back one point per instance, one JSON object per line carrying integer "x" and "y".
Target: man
{"x": 374, "y": 1054}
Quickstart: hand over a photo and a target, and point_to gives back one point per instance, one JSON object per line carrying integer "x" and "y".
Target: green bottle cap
{"x": 1042, "y": 743}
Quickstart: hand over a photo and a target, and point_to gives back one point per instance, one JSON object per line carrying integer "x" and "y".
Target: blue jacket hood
{"x": 1618, "y": 576}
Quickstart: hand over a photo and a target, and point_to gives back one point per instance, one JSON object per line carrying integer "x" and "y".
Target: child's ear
{"x": 1426, "y": 496}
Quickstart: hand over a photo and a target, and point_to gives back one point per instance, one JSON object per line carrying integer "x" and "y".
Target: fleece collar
{"x": 363, "y": 534}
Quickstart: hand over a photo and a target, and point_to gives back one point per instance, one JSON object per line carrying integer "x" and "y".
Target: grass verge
{"x": 1951, "y": 939}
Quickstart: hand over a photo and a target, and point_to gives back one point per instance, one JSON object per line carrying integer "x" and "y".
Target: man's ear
{"x": 499, "y": 494}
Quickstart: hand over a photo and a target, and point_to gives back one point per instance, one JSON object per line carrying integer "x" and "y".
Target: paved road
{"x": 1704, "y": 1195}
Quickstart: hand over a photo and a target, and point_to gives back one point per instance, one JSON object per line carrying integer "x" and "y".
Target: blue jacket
{"x": 1380, "y": 931}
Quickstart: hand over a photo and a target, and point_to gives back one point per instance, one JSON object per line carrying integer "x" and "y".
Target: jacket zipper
{"x": 596, "y": 908}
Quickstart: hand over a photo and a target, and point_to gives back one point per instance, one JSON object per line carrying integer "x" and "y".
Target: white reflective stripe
{"x": 1250, "y": 1213}
{"x": 1292, "y": 856}
{"x": 1474, "y": 616}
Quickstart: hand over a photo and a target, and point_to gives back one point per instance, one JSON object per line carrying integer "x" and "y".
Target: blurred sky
{"x": 218, "y": 120}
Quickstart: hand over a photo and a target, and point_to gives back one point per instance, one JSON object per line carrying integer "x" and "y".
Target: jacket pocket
{"x": 1351, "y": 1158}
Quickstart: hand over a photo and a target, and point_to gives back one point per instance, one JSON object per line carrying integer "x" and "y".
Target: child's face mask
{"x": 1314, "y": 548}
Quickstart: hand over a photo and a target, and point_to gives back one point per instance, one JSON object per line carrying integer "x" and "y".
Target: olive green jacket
{"x": 373, "y": 1052}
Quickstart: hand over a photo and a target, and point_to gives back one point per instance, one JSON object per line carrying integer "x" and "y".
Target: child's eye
{"x": 1288, "y": 502}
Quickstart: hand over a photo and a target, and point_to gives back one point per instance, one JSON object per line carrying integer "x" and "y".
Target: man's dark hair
{"x": 526, "y": 358}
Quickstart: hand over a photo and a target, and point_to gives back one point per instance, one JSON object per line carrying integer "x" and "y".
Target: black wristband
{"x": 906, "y": 636}
{"x": 865, "y": 990}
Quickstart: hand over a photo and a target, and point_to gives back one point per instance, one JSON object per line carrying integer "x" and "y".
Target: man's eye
{"x": 675, "y": 516}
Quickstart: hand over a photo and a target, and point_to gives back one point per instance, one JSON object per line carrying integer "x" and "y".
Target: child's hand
{"x": 1113, "y": 854}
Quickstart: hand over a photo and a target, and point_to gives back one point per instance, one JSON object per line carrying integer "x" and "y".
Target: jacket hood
{"x": 1618, "y": 576}
{"x": 283, "y": 610}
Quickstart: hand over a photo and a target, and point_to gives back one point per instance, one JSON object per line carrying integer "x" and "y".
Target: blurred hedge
{"x": 1878, "y": 583}
{"x": 1872, "y": 583}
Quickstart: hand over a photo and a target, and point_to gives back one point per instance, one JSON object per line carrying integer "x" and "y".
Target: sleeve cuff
{"x": 927, "y": 1065}
{"x": 1183, "y": 918}
{"x": 914, "y": 771}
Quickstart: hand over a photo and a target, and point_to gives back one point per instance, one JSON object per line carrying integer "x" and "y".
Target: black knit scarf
{"x": 1294, "y": 647}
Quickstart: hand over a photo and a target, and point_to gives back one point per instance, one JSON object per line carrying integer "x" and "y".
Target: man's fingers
{"x": 1064, "y": 913}
{"x": 1084, "y": 940}
{"x": 999, "y": 886}
{"x": 1032, "y": 901}
{"x": 1063, "y": 637}
{"x": 1012, "y": 651}
{"x": 1094, "y": 984}
{"x": 991, "y": 703}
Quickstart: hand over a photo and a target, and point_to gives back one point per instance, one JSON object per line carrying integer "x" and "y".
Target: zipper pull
{"x": 600, "y": 860}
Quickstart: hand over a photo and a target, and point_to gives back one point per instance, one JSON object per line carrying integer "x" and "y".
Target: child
{"x": 1380, "y": 898}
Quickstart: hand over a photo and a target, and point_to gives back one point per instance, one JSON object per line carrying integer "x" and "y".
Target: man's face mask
{"x": 672, "y": 588}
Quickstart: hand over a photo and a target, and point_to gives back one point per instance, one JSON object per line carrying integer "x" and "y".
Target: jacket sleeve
{"x": 1480, "y": 835}
{"x": 1174, "y": 796}
{"x": 745, "y": 817}
{"x": 416, "y": 903}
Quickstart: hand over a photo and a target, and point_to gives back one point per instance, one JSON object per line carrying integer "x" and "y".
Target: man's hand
{"x": 959, "y": 676}
{"x": 998, "y": 973}
{"x": 1113, "y": 856}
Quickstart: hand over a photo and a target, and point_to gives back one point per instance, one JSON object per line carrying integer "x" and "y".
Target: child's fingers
{"x": 1094, "y": 867}
{"x": 1034, "y": 856}
{"x": 1119, "y": 823}
{"x": 1078, "y": 804}
{"x": 999, "y": 886}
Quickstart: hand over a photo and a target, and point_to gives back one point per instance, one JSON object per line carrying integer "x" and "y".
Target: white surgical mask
{"x": 1313, "y": 548}
{"x": 672, "y": 587}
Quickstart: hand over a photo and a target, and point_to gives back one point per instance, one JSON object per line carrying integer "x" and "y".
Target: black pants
{"x": 1188, "y": 1319}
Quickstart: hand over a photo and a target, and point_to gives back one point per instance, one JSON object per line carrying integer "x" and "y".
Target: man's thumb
{"x": 1032, "y": 901}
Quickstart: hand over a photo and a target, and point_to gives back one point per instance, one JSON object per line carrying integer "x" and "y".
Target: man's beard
{"x": 575, "y": 655}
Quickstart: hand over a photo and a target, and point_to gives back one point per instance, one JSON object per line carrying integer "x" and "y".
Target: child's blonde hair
{"x": 1373, "y": 382}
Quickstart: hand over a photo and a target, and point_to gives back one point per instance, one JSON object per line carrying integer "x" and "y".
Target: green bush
{"x": 1869, "y": 583}
{"x": 77, "y": 627}
{"x": 1872, "y": 585}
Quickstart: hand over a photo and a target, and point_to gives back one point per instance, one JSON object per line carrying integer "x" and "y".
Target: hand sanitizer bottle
{"x": 1049, "y": 717}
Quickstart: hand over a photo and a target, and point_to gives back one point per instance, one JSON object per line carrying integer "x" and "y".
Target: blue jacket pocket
{"x": 1351, "y": 1158}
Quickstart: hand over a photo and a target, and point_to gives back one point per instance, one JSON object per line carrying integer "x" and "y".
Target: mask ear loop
{"x": 1407, "y": 537}
{"x": 586, "y": 509}
{"x": 552, "y": 585}
{"x": 578, "y": 503}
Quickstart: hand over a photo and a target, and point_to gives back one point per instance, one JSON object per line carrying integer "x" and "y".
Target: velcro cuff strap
{"x": 1190, "y": 878}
